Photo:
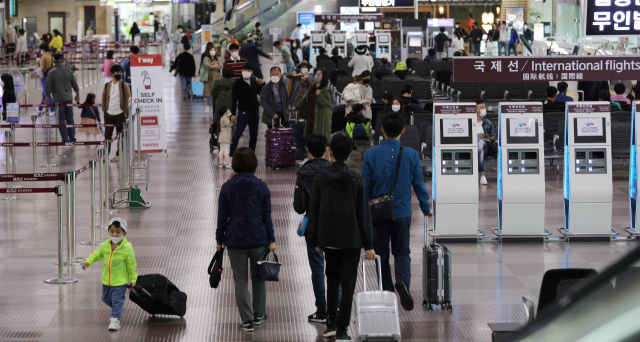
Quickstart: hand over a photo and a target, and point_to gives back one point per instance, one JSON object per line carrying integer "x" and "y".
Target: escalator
{"x": 607, "y": 308}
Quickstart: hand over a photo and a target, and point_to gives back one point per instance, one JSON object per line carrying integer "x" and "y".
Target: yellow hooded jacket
{"x": 118, "y": 266}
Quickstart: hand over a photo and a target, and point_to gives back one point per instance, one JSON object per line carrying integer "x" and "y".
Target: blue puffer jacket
{"x": 244, "y": 213}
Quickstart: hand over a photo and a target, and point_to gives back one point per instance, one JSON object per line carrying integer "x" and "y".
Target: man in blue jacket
{"x": 378, "y": 170}
{"x": 250, "y": 52}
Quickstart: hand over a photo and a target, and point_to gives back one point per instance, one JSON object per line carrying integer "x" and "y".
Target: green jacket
{"x": 118, "y": 266}
{"x": 324, "y": 111}
{"x": 221, "y": 93}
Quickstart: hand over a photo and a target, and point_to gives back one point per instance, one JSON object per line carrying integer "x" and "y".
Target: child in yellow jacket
{"x": 118, "y": 269}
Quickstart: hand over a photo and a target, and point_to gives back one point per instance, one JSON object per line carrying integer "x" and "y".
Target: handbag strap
{"x": 266, "y": 257}
{"x": 395, "y": 178}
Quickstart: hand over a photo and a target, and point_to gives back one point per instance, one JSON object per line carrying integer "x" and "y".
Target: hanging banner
{"x": 147, "y": 95}
{"x": 206, "y": 36}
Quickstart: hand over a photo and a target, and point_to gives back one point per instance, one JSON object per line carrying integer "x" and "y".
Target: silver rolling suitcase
{"x": 436, "y": 276}
{"x": 376, "y": 312}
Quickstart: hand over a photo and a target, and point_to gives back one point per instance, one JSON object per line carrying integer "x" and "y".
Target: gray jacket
{"x": 268, "y": 102}
{"x": 60, "y": 82}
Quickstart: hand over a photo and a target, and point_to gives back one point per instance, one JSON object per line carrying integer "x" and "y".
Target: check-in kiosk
{"x": 361, "y": 37}
{"x": 340, "y": 42}
{"x": 383, "y": 44}
{"x": 521, "y": 179}
{"x": 455, "y": 171}
{"x": 588, "y": 188}
{"x": 317, "y": 42}
{"x": 415, "y": 41}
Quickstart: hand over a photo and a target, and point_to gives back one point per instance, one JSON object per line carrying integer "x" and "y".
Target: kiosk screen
{"x": 589, "y": 130}
{"x": 383, "y": 39}
{"x": 338, "y": 38}
{"x": 456, "y": 131}
{"x": 361, "y": 38}
{"x": 415, "y": 42}
{"x": 317, "y": 39}
{"x": 522, "y": 131}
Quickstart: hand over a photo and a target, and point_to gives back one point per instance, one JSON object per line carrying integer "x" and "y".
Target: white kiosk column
{"x": 521, "y": 178}
{"x": 317, "y": 42}
{"x": 339, "y": 41}
{"x": 588, "y": 187}
{"x": 455, "y": 171}
{"x": 383, "y": 44}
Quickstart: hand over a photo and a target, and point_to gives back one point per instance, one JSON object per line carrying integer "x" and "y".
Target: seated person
{"x": 605, "y": 95}
{"x": 335, "y": 57}
{"x": 383, "y": 69}
{"x": 406, "y": 95}
{"x": 432, "y": 54}
{"x": 486, "y": 136}
{"x": 562, "y": 95}
{"x": 619, "y": 88}
{"x": 357, "y": 119}
{"x": 386, "y": 99}
{"x": 397, "y": 106}
{"x": 548, "y": 105}
{"x": 321, "y": 56}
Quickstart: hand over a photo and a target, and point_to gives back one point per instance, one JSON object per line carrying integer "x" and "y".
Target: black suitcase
{"x": 213, "y": 138}
{"x": 436, "y": 276}
{"x": 338, "y": 119}
{"x": 166, "y": 298}
{"x": 298, "y": 130}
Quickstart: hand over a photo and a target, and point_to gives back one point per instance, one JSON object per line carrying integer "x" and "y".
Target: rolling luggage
{"x": 436, "y": 276}
{"x": 280, "y": 147}
{"x": 298, "y": 130}
{"x": 165, "y": 299}
{"x": 213, "y": 139}
{"x": 197, "y": 90}
{"x": 338, "y": 119}
{"x": 376, "y": 312}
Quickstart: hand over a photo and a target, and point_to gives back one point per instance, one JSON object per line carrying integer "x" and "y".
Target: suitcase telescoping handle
{"x": 364, "y": 272}
{"x": 426, "y": 230}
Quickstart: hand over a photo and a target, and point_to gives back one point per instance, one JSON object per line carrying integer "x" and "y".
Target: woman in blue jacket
{"x": 245, "y": 228}
{"x": 90, "y": 116}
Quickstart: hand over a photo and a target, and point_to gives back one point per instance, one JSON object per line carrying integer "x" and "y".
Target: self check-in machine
{"x": 339, "y": 42}
{"x": 415, "y": 41}
{"x": 383, "y": 44}
{"x": 317, "y": 42}
{"x": 455, "y": 171}
{"x": 521, "y": 179}
{"x": 587, "y": 184}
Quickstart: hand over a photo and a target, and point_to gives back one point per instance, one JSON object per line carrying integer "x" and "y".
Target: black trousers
{"x": 341, "y": 270}
{"x": 108, "y": 131}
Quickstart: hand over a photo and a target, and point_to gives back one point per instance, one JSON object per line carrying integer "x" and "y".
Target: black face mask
{"x": 366, "y": 81}
{"x": 117, "y": 77}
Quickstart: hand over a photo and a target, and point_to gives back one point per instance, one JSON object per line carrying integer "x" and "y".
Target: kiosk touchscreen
{"x": 317, "y": 42}
{"x": 455, "y": 171}
{"x": 339, "y": 41}
{"x": 521, "y": 179}
{"x": 415, "y": 40}
{"x": 588, "y": 188}
{"x": 383, "y": 44}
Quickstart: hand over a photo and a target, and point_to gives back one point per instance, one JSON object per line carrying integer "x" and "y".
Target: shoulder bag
{"x": 382, "y": 206}
{"x": 215, "y": 268}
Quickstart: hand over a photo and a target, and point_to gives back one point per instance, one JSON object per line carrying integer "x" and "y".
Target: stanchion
{"x": 57, "y": 134}
{"x": 74, "y": 177}
{"x": 92, "y": 166}
{"x": 71, "y": 247}
{"x": 101, "y": 177}
{"x": 7, "y": 135}
{"x": 61, "y": 279}
{"x": 48, "y": 164}
{"x": 106, "y": 179}
{"x": 14, "y": 163}
{"x": 33, "y": 133}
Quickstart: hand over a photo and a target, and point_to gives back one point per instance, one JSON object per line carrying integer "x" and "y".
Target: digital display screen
{"x": 522, "y": 131}
{"x": 415, "y": 42}
{"x": 456, "y": 131}
{"x": 589, "y": 130}
{"x": 338, "y": 38}
{"x": 361, "y": 38}
{"x": 442, "y": 22}
{"x": 383, "y": 39}
{"x": 317, "y": 38}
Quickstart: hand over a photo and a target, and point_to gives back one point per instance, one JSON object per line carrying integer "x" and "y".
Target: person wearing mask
{"x": 361, "y": 61}
{"x": 322, "y": 55}
{"x": 457, "y": 43}
{"x": 286, "y": 56}
{"x": 486, "y": 134}
{"x": 225, "y": 40}
{"x": 549, "y": 104}
{"x": 384, "y": 69}
{"x": 619, "y": 88}
{"x": 46, "y": 63}
{"x": 318, "y": 105}
{"x": 115, "y": 104}
{"x": 126, "y": 65}
{"x": 431, "y": 54}
{"x": 513, "y": 42}
{"x": 212, "y": 65}
{"x": 175, "y": 40}
{"x": 250, "y": 51}
{"x": 562, "y": 93}
{"x": 186, "y": 66}
{"x": 367, "y": 93}
{"x": 135, "y": 34}
{"x": 296, "y": 52}
{"x": 258, "y": 36}
{"x": 303, "y": 81}
{"x": 492, "y": 40}
{"x": 221, "y": 94}
{"x": 464, "y": 34}
{"x": 296, "y": 32}
{"x": 335, "y": 57}
{"x": 273, "y": 99}
{"x": 21, "y": 47}
{"x": 10, "y": 38}
{"x": 60, "y": 83}
{"x": 106, "y": 66}
{"x": 235, "y": 62}
{"x": 227, "y": 52}
{"x": 441, "y": 39}
{"x": 605, "y": 96}
{"x": 156, "y": 28}
{"x": 503, "y": 40}
{"x": 56, "y": 41}
{"x": 476, "y": 37}
{"x": 244, "y": 98}
{"x": 528, "y": 36}
{"x": 406, "y": 97}
{"x": 379, "y": 170}
{"x": 397, "y": 106}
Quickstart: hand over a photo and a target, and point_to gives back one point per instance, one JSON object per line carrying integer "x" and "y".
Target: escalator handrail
{"x": 568, "y": 301}
{"x": 244, "y": 24}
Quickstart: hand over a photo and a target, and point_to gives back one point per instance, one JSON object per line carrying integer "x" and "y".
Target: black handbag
{"x": 269, "y": 270}
{"x": 215, "y": 268}
{"x": 382, "y": 206}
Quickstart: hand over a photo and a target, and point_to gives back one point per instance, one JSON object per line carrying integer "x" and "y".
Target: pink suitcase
{"x": 280, "y": 148}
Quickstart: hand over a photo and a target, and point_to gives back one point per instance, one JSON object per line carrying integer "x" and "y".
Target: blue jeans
{"x": 244, "y": 119}
{"x": 316, "y": 262}
{"x": 185, "y": 81}
{"x": 398, "y": 233}
{"x": 476, "y": 49}
{"x": 43, "y": 80}
{"x": 500, "y": 46}
{"x": 65, "y": 117}
{"x": 114, "y": 296}
{"x": 483, "y": 149}
{"x": 512, "y": 47}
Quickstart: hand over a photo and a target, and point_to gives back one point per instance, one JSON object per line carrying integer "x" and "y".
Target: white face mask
{"x": 116, "y": 239}
{"x": 234, "y": 54}
{"x": 212, "y": 52}
{"x": 226, "y": 32}
{"x": 246, "y": 74}
{"x": 294, "y": 44}
{"x": 483, "y": 112}
{"x": 180, "y": 30}
{"x": 395, "y": 108}
{"x": 525, "y": 27}
{"x": 275, "y": 79}
{"x": 304, "y": 70}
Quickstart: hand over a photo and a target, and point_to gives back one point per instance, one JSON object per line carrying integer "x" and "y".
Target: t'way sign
{"x": 147, "y": 95}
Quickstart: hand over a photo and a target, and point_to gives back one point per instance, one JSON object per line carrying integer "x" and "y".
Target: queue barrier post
{"x": 106, "y": 181}
{"x": 61, "y": 279}
{"x": 14, "y": 164}
{"x": 92, "y": 166}
{"x": 7, "y": 138}
{"x": 48, "y": 164}
{"x": 33, "y": 133}
{"x": 74, "y": 178}
{"x": 57, "y": 134}
{"x": 71, "y": 247}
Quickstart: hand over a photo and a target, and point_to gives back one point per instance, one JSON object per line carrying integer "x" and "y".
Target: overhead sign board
{"x": 348, "y": 18}
{"x": 618, "y": 18}
{"x": 387, "y": 3}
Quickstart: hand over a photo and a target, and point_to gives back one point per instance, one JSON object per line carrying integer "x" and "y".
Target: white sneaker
{"x": 483, "y": 180}
{"x": 114, "y": 325}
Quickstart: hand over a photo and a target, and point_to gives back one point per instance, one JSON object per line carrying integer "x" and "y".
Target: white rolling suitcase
{"x": 376, "y": 312}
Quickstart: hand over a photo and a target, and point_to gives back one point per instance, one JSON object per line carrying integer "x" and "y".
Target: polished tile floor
{"x": 175, "y": 237}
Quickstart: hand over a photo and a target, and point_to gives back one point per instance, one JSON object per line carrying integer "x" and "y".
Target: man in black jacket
{"x": 244, "y": 97}
{"x": 383, "y": 69}
{"x": 476, "y": 39}
{"x": 528, "y": 36}
{"x": 316, "y": 148}
{"x": 340, "y": 225}
{"x": 440, "y": 40}
{"x": 275, "y": 108}
{"x": 186, "y": 66}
